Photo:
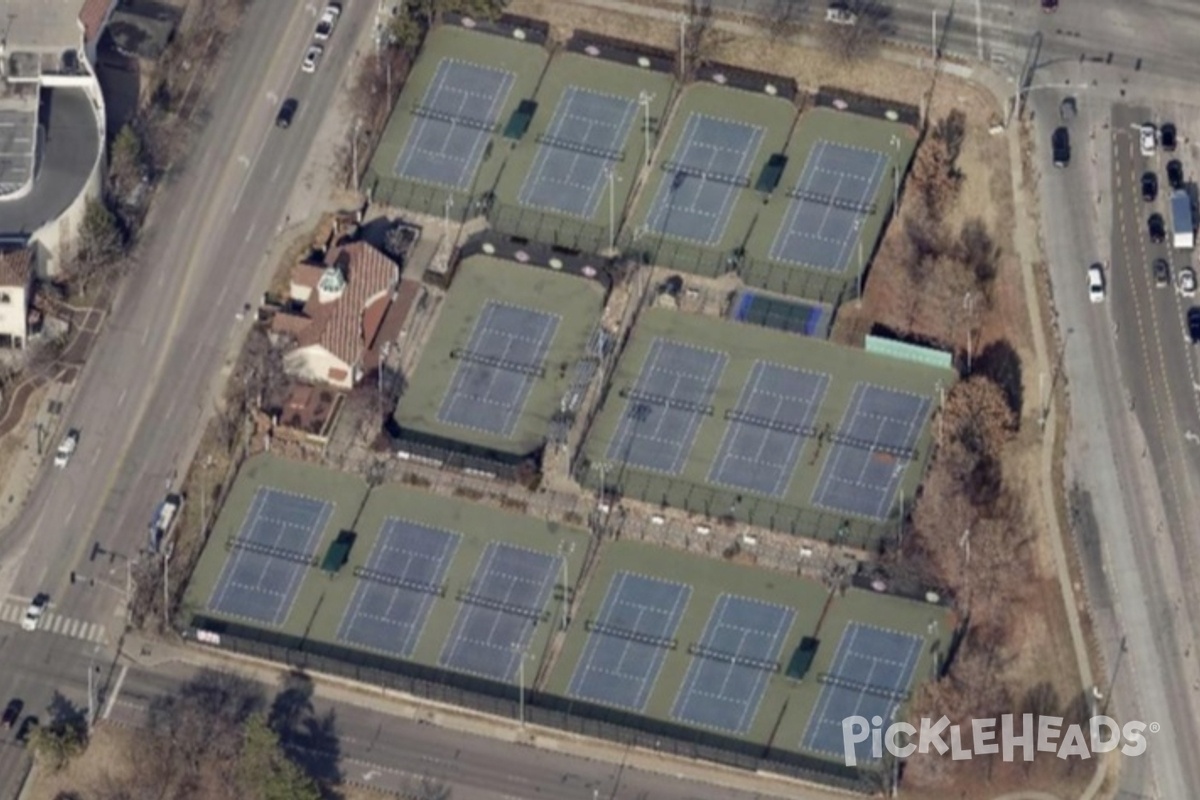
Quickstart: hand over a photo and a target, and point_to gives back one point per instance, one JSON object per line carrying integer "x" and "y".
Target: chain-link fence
{"x": 540, "y": 708}
{"x": 552, "y": 229}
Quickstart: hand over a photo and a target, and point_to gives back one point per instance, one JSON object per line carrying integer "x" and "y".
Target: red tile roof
{"x": 394, "y": 321}
{"x": 346, "y": 325}
{"x": 307, "y": 275}
{"x": 16, "y": 267}
{"x": 92, "y": 15}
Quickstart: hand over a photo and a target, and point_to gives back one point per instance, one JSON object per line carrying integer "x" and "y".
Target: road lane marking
{"x": 121, "y": 399}
{"x": 250, "y": 232}
{"x": 112, "y": 698}
{"x": 190, "y": 277}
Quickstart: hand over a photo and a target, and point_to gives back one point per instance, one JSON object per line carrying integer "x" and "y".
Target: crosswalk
{"x": 56, "y": 623}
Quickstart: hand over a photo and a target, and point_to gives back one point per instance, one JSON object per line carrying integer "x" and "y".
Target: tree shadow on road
{"x": 309, "y": 739}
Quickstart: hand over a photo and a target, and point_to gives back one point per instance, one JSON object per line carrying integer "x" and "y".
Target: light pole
{"x": 449, "y": 204}
{"x": 933, "y": 48}
{"x": 644, "y": 100}
{"x": 683, "y": 23}
{"x": 565, "y": 549}
{"x": 91, "y": 689}
{"x": 612, "y": 209}
{"x": 354, "y": 150}
{"x": 969, "y": 307}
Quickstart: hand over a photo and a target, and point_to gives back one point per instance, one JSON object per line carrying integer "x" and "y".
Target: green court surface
{"x": 892, "y": 141}
{"x": 343, "y": 491}
{"x": 792, "y": 510}
{"x": 554, "y": 225}
{"x": 448, "y": 42}
{"x": 773, "y": 115}
{"x": 787, "y": 703}
{"x": 578, "y": 303}
{"x": 324, "y": 599}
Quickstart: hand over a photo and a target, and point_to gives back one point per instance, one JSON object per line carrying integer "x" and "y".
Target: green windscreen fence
{"x": 768, "y": 179}
{"x": 518, "y": 123}
{"x": 904, "y": 351}
{"x": 338, "y": 552}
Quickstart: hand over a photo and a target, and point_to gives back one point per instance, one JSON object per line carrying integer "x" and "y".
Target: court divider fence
{"x": 541, "y": 708}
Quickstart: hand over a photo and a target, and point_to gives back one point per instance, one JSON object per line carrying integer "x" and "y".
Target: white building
{"x": 51, "y": 123}
{"x": 16, "y": 286}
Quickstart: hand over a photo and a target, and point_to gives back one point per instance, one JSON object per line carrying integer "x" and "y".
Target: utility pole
{"x": 91, "y": 690}
{"x": 644, "y": 100}
{"x": 612, "y": 209}
{"x": 354, "y": 150}
{"x": 933, "y": 48}
{"x": 521, "y": 685}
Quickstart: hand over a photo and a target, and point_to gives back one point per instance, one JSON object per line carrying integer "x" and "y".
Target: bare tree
{"x": 783, "y": 18}
{"x": 859, "y": 32}
{"x": 702, "y": 39}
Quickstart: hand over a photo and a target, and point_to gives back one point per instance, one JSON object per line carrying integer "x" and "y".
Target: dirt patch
{"x": 106, "y": 757}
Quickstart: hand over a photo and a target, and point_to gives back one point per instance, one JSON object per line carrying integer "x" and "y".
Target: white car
{"x": 328, "y": 22}
{"x": 1096, "y": 283}
{"x": 66, "y": 449}
{"x": 1187, "y": 282}
{"x": 840, "y": 15}
{"x": 1148, "y": 137}
{"x": 312, "y": 57}
{"x": 33, "y": 614}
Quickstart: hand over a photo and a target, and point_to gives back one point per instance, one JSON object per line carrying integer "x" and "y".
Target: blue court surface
{"x": 504, "y": 355}
{"x": 397, "y": 586}
{"x": 665, "y": 408}
{"x": 454, "y": 123}
{"x": 779, "y": 314}
{"x": 629, "y": 640}
{"x": 874, "y": 444}
{"x": 834, "y": 195}
{"x": 768, "y": 429}
{"x": 871, "y": 674}
{"x": 732, "y": 663}
{"x": 506, "y": 599}
{"x": 277, "y": 542}
{"x": 583, "y": 143}
{"x": 711, "y": 164}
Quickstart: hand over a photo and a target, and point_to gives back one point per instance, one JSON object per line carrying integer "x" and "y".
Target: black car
{"x": 1168, "y": 137}
{"x": 1049, "y": 6}
{"x": 1175, "y": 174}
{"x": 1162, "y": 273}
{"x": 11, "y": 712}
{"x": 1060, "y": 142}
{"x": 286, "y": 111}
{"x": 1149, "y": 187}
{"x": 27, "y": 727}
{"x": 1158, "y": 229}
{"x": 1193, "y": 323}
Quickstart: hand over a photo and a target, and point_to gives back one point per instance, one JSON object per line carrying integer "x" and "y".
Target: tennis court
{"x": 731, "y": 664}
{"x": 711, "y": 164}
{"x": 454, "y": 122}
{"x": 835, "y": 193}
{"x": 585, "y": 140}
{"x": 768, "y": 427}
{"x": 873, "y": 446}
{"x": 871, "y": 674}
{"x": 628, "y": 640}
{"x": 507, "y": 597}
{"x": 665, "y": 407}
{"x": 398, "y": 585}
{"x": 504, "y": 355}
{"x": 276, "y": 544}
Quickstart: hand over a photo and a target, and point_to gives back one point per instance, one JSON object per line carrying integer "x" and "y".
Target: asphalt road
{"x": 372, "y": 747}
{"x": 139, "y": 400}
{"x": 1131, "y": 375}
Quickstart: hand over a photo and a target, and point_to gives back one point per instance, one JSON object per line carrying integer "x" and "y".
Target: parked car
{"x": 28, "y": 725}
{"x": 1187, "y": 282}
{"x": 66, "y": 448}
{"x": 1148, "y": 139}
{"x": 1193, "y": 324}
{"x": 1060, "y": 143}
{"x": 1168, "y": 137}
{"x": 1096, "y": 283}
{"x": 286, "y": 112}
{"x": 312, "y": 57}
{"x": 1067, "y": 109}
{"x": 1049, "y": 6}
{"x": 328, "y": 21}
{"x": 11, "y": 712}
{"x": 1157, "y": 228}
{"x": 1149, "y": 187}
{"x": 1175, "y": 174}
{"x": 1162, "y": 273}
{"x": 839, "y": 14}
{"x": 34, "y": 612}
